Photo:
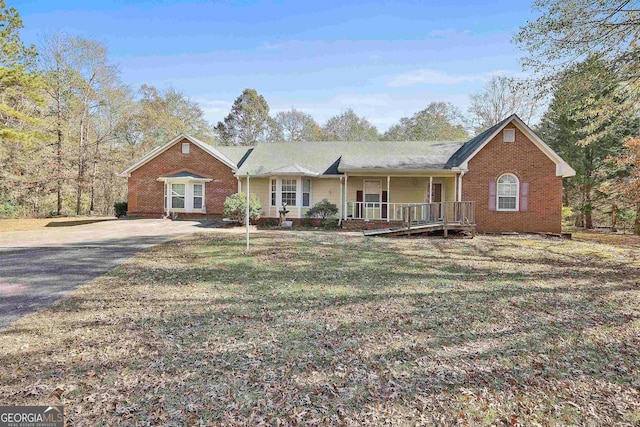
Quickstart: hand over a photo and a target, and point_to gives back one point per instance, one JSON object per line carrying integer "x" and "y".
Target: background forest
{"x": 68, "y": 123}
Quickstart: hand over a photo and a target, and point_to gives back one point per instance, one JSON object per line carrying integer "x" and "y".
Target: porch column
{"x": 346, "y": 196}
{"x": 341, "y": 207}
{"x": 455, "y": 188}
{"x": 299, "y": 196}
{"x": 430, "y": 189}
{"x": 388, "y": 197}
{"x": 460, "y": 186}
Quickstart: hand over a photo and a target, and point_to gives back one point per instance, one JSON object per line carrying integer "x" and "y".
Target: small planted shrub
{"x": 236, "y": 204}
{"x": 120, "y": 209}
{"x": 325, "y": 210}
{"x": 329, "y": 224}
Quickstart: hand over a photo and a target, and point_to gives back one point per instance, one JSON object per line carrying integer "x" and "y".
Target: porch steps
{"x": 421, "y": 228}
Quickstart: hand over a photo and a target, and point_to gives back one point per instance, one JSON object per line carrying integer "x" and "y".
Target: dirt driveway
{"x": 41, "y": 266}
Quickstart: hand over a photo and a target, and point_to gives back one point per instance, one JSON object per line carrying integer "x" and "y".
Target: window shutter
{"x": 492, "y": 195}
{"x": 524, "y": 196}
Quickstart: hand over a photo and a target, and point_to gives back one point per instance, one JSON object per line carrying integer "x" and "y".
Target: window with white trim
{"x": 177, "y": 196}
{"x": 289, "y": 192}
{"x": 306, "y": 192}
{"x": 509, "y": 135}
{"x": 507, "y": 193}
{"x": 186, "y": 147}
{"x": 372, "y": 192}
{"x": 274, "y": 191}
{"x": 198, "y": 196}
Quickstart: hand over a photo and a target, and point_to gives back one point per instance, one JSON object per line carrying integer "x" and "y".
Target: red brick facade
{"x": 525, "y": 160}
{"x": 146, "y": 193}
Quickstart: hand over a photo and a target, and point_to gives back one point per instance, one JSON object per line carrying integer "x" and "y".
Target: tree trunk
{"x": 636, "y": 226}
{"x": 588, "y": 217}
{"x": 614, "y": 218}
{"x": 59, "y": 155}
{"x": 80, "y": 167}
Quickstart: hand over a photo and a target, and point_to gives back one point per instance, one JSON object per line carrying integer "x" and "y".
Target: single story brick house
{"x": 510, "y": 178}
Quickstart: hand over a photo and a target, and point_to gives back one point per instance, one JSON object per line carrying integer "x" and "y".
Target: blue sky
{"x": 385, "y": 59}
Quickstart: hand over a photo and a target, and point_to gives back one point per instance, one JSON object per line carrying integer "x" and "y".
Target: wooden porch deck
{"x": 429, "y": 217}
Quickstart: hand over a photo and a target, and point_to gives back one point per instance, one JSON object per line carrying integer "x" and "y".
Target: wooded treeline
{"x": 68, "y": 123}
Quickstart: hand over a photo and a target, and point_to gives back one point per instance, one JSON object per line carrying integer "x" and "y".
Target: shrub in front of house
{"x": 235, "y": 207}
{"x": 120, "y": 209}
{"x": 325, "y": 210}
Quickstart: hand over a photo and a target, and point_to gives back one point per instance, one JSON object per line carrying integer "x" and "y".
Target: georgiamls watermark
{"x": 32, "y": 416}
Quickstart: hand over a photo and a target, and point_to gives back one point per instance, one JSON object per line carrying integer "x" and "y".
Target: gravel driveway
{"x": 40, "y": 267}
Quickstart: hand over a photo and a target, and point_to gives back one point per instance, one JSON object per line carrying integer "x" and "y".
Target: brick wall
{"x": 525, "y": 160}
{"x": 146, "y": 193}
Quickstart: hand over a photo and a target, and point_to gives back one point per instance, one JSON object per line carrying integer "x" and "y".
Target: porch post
{"x": 299, "y": 196}
{"x": 388, "y": 197}
{"x": 431, "y": 189}
{"x": 455, "y": 189}
{"x": 341, "y": 207}
{"x": 346, "y": 195}
{"x": 460, "y": 186}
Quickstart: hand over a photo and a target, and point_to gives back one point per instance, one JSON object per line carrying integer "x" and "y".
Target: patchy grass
{"x": 317, "y": 328}
{"x": 608, "y": 238}
{"x": 25, "y": 224}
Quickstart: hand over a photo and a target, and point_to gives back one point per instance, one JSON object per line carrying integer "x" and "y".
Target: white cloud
{"x": 435, "y": 77}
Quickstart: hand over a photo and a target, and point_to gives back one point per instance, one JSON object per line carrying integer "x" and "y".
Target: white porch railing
{"x": 416, "y": 213}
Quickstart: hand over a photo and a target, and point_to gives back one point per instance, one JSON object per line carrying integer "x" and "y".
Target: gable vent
{"x": 509, "y": 135}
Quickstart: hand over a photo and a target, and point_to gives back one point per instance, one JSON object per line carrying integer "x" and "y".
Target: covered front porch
{"x": 386, "y": 197}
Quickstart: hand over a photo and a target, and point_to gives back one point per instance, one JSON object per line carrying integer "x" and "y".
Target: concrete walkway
{"x": 41, "y": 266}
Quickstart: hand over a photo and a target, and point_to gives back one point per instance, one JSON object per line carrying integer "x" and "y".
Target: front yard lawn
{"x": 324, "y": 328}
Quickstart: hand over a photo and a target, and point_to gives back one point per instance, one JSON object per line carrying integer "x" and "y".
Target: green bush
{"x": 329, "y": 224}
{"x": 120, "y": 209}
{"x": 324, "y": 209}
{"x": 235, "y": 207}
{"x": 8, "y": 208}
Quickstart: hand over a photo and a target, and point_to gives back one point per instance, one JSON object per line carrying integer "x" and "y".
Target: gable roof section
{"x": 159, "y": 150}
{"x": 332, "y": 158}
{"x": 237, "y": 154}
{"x": 471, "y": 145}
{"x": 460, "y": 159}
{"x": 185, "y": 174}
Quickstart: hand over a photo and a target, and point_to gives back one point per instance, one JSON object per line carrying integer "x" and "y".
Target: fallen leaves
{"x": 331, "y": 329}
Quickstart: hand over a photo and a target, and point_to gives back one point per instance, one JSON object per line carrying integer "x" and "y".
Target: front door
{"x": 436, "y": 193}
{"x": 436, "y": 197}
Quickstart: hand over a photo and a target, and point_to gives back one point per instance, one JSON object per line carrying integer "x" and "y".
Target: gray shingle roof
{"x": 334, "y": 157}
{"x": 184, "y": 174}
{"x": 234, "y": 153}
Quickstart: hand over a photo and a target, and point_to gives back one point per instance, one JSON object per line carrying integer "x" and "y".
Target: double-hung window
{"x": 289, "y": 192}
{"x": 177, "y": 196}
{"x": 273, "y": 192}
{"x": 306, "y": 193}
{"x": 507, "y": 193}
{"x": 372, "y": 192}
{"x": 198, "y": 196}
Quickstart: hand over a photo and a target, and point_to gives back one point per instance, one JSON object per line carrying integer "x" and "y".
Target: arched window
{"x": 508, "y": 193}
